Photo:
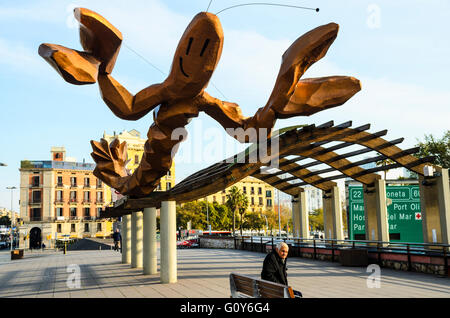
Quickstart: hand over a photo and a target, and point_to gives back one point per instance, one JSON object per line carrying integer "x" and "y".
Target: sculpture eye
{"x": 204, "y": 47}
{"x": 189, "y": 45}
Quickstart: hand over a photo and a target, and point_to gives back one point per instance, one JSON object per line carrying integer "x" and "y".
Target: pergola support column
{"x": 168, "y": 249}
{"x": 136, "y": 239}
{"x": 300, "y": 217}
{"x": 150, "y": 249}
{"x": 332, "y": 214}
{"x": 126, "y": 239}
{"x": 375, "y": 211}
{"x": 435, "y": 206}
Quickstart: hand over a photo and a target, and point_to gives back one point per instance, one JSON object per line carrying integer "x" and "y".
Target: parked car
{"x": 188, "y": 243}
{"x": 3, "y": 244}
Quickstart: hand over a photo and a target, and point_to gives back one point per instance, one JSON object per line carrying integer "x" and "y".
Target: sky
{"x": 399, "y": 50}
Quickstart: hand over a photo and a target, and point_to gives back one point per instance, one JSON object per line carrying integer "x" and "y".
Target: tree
{"x": 436, "y": 147}
{"x": 385, "y": 162}
{"x": 236, "y": 201}
{"x": 5, "y": 220}
{"x": 242, "y": 209}
{"x": 316, "y": 220}
{"x": 254, "y": 221}
{"x": 195, "y": 211}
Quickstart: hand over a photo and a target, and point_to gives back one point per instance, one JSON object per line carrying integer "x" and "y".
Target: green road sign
{"x": 404, "y": 213}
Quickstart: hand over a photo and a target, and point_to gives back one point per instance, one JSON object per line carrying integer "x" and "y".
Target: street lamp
{"x": 12, "y": 216}
{"x": 3, "y": 164}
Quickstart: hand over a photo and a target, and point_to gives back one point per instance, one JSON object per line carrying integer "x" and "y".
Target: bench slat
{"x": 246, "y": 286}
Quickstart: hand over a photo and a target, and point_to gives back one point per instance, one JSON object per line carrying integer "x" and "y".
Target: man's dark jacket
{"x": 273, "y": 269}
{"x": 117, "y": 236}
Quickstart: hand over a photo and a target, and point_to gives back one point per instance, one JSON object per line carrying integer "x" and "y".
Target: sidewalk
{"x": 202, "y": 273}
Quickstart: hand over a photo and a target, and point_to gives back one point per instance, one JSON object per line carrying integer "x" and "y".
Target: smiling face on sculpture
{"x": 197, "y": 55}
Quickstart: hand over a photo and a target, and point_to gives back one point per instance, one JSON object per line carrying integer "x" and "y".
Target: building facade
{"x": 135, "y": 150}
{"x": 260, "y": 194}
{"x": 59, "y": 199}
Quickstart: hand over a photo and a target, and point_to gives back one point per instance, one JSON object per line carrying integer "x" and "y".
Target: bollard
{"x": 65, "y": 247}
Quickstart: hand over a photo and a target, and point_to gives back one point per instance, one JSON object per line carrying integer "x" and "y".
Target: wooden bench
{"x": 242, "y": 286}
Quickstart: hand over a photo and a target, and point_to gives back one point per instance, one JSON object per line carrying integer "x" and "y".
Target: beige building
{"x": 60, "y": 198}
{"x": 135, "y": 150}
{"x": 7, "y": 212}
{"x": 260, "y": 194}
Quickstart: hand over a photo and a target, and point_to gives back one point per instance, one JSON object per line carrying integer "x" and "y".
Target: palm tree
{"x": 385, "y": 162}
{"x": 243, "y": 208}
{"x": 236, "y": 201}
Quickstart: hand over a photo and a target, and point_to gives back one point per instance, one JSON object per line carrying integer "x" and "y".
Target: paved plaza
{"x": 202, "y": 273}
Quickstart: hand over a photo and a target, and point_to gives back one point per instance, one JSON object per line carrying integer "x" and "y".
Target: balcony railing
{"x": 35, "y": 185}
{"x": 73, "y": 200}
{"x": 35, "y": 201}
{"x": 59, "y": 185}
{"x": 59, "y": 201}
{"x": 60, "y": 218}
{"x": 73, "y": 217}
{"x": 86, "y": 201}
{"x": 88, "y": 218}
{"x": 100, "y": 201}
{"x": 73, "y": 185}
{"x": 38, "y": 219}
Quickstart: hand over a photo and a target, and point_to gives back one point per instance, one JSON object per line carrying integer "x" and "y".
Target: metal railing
{"x": 378, "y": 247}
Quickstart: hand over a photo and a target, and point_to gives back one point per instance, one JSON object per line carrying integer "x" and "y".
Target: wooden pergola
{"x": 295, "y": 146}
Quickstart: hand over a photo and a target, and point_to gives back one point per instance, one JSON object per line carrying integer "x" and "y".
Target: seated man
{"x": 274, "y": 267}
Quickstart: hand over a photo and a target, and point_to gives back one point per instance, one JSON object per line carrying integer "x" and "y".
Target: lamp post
{"x": 3, "y": 164}
{"x": 12, "y": 216}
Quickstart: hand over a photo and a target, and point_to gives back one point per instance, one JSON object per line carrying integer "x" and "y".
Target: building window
{"x": 260, "y": 201}
{"x": 35, "y": 214}
{"x": 168, "y": 185}
{"x": 98, "y": 211}
{"x": 58, "y": 228}
{"x": 36, "y": 197}
{"x": 99, "y": 183}
{"x": 169, "y": 173}
{"x": 86, "y": 227}
{"x": 35, "y": 181}
{"x": 253, "y": 201}
{"x": 244, "y": 189}
{"x": 269, "y": 202}
{"x": 73, "y": 196}
{"x": 268, "y": 193}
{"x": 158, "y": 188}
{"x": 59, "y": 212}
{"x": 73, "y": 212}
{"x": 100, "y": 197}
{"x": 87, "y": 212}
{"x": 99, "y": 227}
{"x": 73, "y": 227}
{"x": 73, "y": 181}
{"x": 59, "y": 182}
{"x": 252, "y": 190}
{"x": 59, "y": 196}
{"x": 136, "y": 159}
{"x": 87, "y": 182}
{"x": 259, "y": 190}
{"x": 86, "y": 196}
